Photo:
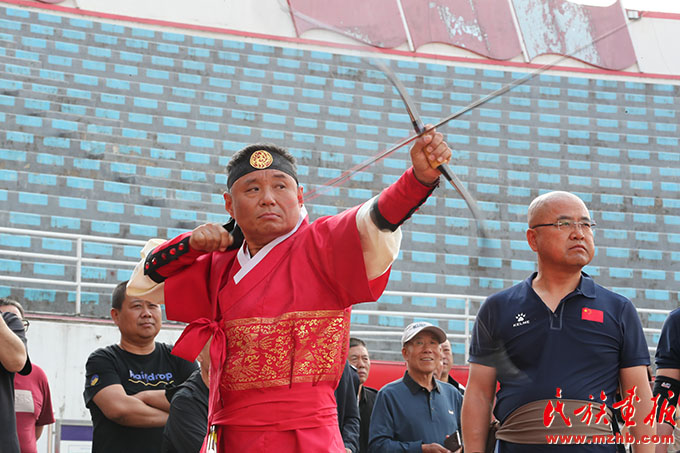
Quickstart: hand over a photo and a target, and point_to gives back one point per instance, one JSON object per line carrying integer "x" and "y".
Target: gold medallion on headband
{"x": 261, "y": 159}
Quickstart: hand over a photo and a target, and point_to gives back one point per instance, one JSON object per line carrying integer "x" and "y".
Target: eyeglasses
{"x": 26, "y": 324}
{"x": 584, "y": 225}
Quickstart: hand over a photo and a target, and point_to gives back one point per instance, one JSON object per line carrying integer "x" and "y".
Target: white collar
{"x": 248, "y": 263}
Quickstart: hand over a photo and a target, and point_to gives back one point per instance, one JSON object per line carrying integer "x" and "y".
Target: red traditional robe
{"x": 286, "y": 326}
{"x": 280, "y": 324}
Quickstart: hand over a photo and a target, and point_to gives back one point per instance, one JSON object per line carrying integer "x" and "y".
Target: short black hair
{"x": 8, "y": 301}
{"x": 118, "y": 295}
{"x": 356, "y": 342}
{"x": 244, "y": 153}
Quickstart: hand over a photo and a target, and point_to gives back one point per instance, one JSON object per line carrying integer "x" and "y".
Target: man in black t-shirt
{"x": 13, "y": 359}
{"x": 125, "y": 383}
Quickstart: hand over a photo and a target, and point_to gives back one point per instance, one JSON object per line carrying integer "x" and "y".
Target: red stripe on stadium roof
{"x": 227, "y": 31}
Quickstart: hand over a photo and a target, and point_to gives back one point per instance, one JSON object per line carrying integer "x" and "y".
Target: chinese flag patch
{"x": 590, "y": 314}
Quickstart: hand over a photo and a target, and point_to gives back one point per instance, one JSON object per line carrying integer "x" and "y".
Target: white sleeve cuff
{"x": 141, "y": 286}
{"x": 380, "y": 247}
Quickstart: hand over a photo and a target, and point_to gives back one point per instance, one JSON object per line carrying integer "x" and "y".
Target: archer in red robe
{"x": 277, "y": 306}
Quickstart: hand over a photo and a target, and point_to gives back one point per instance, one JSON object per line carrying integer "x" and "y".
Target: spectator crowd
{"x": 268, "y": 299}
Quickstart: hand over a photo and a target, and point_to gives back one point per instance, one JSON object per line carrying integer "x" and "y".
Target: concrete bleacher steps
{"x": 129, "y": 198}
{"x": 577, "y": 119}
{"x": 123, "y": 131}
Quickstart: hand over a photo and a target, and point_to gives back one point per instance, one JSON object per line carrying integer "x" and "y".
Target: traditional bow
{"x": 417, "y": 123}
{"x": 419, "y": 128}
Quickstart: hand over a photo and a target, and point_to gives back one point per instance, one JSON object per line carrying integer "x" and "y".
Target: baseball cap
{"x": 413, "y": 329}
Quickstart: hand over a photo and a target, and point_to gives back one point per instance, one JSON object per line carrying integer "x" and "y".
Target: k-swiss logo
{"x": 521, "y": 320}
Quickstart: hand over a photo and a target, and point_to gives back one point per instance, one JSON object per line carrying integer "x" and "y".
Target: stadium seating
{"x": 124, "y": 131}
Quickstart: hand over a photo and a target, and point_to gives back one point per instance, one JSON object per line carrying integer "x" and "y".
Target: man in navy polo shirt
{"x": 555, "y": 337}
{"x": 417, "y": 412}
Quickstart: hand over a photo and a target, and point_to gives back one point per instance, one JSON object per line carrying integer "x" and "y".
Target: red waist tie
{"x": 190, "y": 344}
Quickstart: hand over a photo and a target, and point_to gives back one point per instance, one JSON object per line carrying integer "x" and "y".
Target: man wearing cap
{"x": 275, "y": 295}
{"x": 417, "y": 412}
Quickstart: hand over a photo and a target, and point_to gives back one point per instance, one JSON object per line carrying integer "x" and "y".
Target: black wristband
{"x": 669, "y": 389}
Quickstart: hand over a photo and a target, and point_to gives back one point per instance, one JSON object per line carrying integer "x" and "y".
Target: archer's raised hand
{"x": 210, "y": 237}
{"x": 427, "y": 153}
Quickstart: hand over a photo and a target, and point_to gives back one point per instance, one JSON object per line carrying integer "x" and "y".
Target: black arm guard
{"x": 669, "y": 389}
{"x": 383, "y": 224}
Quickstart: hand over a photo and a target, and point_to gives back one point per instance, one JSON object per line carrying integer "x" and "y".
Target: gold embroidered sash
{"x": 306, "y": 346}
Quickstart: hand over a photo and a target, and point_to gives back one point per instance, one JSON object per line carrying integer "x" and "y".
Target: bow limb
{"x": 419, "y": 128}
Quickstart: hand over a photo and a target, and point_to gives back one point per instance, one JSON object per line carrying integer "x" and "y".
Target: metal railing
{"x": 78, "y": 259}
{"x": 467, "y": 316}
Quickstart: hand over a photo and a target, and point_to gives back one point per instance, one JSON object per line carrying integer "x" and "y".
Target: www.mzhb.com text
{"x": 572, "y": 439}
